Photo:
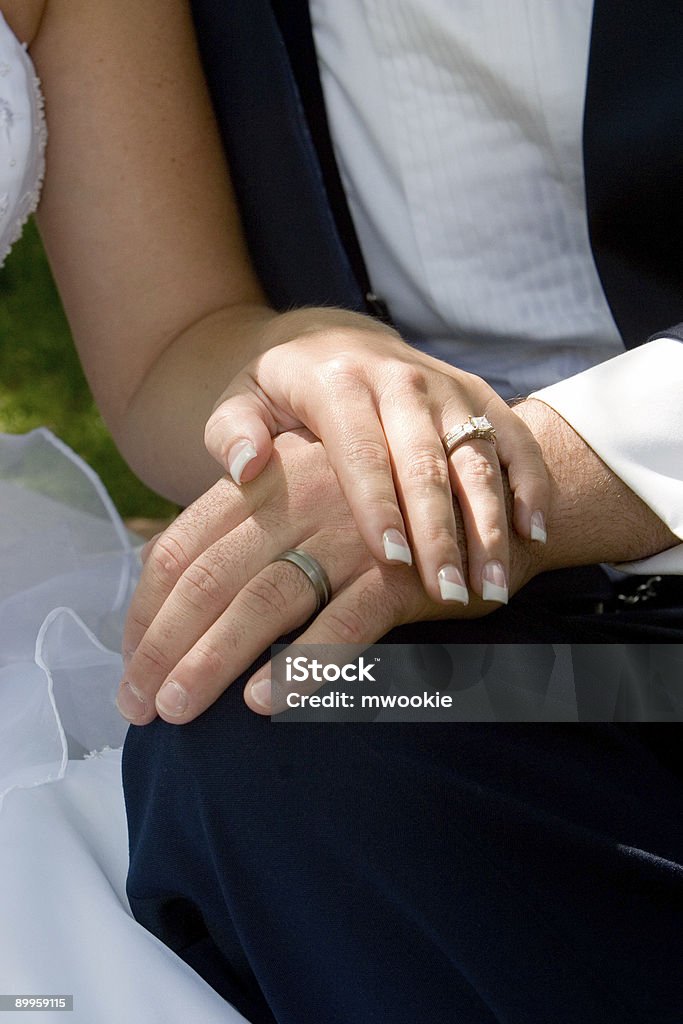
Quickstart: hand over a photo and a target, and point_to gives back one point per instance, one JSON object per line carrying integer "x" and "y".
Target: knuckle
{"x": 136, "y": 626}
{"x": 477, "y": 465}
{"x": 263, "y": 597}
{"x": 201, "y": 588}
{"x": 151, "y": 658}
{"x": 342, "y": 371}
{"x": 529, "y": 452}
{"x": 529, "y": 476}
{"x": 366, "y": 454}
{"x": 493, "y": 537}
{"x": 436, "y": 535}
{"x": 205, "y": 661}
{"x": 345, "y": 623}
{"x": 532, "y": 488}
{"x": 168, "y": 560}
{"x": 407, "y": 379}
{"x": 532, "y": 448}
{"x": 428, "y": 468}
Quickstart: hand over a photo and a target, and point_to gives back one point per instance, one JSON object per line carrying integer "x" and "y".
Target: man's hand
{"x": 211, "y": 599}
{"x": 594, "y": 516}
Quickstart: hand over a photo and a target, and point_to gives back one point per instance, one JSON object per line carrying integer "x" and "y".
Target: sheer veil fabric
{"x": 68, "y": 569}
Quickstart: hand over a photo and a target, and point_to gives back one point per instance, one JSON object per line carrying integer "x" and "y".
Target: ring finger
{"x": 422, "y": 481}
{"x": 477, "y": 483}
{"x": 270, "y": 604}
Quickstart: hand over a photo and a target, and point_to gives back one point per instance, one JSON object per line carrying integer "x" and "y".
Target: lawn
{"x": 41, "y": 382}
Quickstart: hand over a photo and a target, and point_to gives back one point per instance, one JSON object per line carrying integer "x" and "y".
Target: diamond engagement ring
{"x": 314, "y": 571}
{"x": 475, "y": 428}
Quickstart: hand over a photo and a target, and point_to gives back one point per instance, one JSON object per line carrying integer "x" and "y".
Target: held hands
{"x": 381, "y": 409}
{"x": 211, "y": 599}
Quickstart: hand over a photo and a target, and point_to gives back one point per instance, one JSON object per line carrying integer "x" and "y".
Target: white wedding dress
{"x": 67, "y": 570}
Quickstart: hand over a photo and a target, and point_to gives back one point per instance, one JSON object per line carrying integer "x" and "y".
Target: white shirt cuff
{"x": 630, "y": 411}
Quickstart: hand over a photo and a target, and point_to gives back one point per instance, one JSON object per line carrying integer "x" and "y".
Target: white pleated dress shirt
{"x": 458, "y": 132}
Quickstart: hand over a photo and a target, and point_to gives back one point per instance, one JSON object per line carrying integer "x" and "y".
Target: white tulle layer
{"x": 67, "y": 570}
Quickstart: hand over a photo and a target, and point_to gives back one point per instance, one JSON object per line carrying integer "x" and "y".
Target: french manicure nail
{"x": 538, "y": 530}
{"x": 239, "y": 456}
{"x": 494, "y": 583}
{"x": 452, "y": 584}
{"x": 261, "y": 693}
{"x": 396, "y": 547}
{"x": 131, "y": 702}
{"x": 172, "y": 699}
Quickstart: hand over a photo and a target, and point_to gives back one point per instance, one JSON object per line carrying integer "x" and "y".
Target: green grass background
{"x": 41, "y": 381}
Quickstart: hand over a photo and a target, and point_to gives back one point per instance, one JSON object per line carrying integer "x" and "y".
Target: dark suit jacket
{"x": 261, "y": 67}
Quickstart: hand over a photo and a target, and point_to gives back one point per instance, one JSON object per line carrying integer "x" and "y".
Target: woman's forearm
{"x": 141, "y": 227}
{"x": 160, "y": 429}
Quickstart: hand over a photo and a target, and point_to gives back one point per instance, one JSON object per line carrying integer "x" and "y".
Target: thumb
{"x": 238, "y": 435}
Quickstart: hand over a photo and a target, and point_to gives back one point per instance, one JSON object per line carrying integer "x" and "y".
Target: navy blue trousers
{"x": 328, "y": 873}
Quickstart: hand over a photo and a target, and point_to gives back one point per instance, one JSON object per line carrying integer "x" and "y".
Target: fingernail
{"x": 538, "y": 530}
{"x": 494, "y": 583}
{"x": 240, "y": 455}
{"x": 452, "y": 584}
{"x": 172, "y": 699}
{"x": 131, "y": 702}
{"x": 396, "y": 547}
{"x": 261, "y": 693}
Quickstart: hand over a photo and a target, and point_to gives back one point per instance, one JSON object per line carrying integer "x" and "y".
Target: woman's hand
{"x": 211, "y": 599}
{"x": 381, "y": 409}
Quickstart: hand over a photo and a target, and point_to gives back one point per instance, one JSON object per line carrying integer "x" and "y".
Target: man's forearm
{"x": 594, "y": 516}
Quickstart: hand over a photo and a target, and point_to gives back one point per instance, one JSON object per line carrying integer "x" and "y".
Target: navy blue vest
{"x": 260, "y": 63}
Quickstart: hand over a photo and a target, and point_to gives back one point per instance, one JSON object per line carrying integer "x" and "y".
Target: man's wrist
{"x": 593, "y": 515}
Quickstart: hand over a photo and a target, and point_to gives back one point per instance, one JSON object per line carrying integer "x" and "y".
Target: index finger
{"x": 221, "y": 509}
{"x": 358, "y": 615}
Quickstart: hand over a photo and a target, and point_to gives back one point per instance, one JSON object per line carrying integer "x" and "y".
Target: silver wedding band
{"x": 313, "y": 570}
{"x": 476, "y": 428}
